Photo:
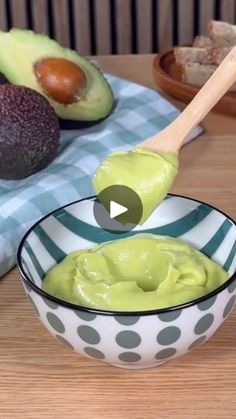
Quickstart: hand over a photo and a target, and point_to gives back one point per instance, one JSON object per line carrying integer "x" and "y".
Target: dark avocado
{"x": 29, "y": 132}
{"x": 77, "y": 90}
{"x": 3, "y": 79}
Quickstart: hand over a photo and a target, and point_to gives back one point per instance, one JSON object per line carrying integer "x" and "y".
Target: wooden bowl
{"x": 167, "y": 75}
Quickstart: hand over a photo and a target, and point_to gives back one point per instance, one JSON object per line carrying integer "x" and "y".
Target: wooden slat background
{"x": 207, "y": 11}
{"x": 60, "y": 10}
{"x": 186, "y": 21}
{"x": 39, "y": 13}
{"x": 144, "y": 19}
{"x": 18, "y": 13}
{"x": 116, "y": 26}
{"x": 82, "y": 33}
{"x": 228, "y": 10}
{"x": 165, "y": 24}
{"x": 103, "y": 34}
{"x": 123, "y": 19}
{"x": 3, "y": 20}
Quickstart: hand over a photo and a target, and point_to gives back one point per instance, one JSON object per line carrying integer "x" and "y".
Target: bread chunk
{"x": 201, "y": 41}
{"x": 197, "y": 74}
{"x": 222, "y": 33}
{"x": 212, "y": 56}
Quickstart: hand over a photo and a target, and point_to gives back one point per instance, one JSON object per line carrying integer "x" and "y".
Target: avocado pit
{"x": 61, "y": 79}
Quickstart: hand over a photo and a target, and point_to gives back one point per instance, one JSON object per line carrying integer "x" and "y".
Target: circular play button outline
{"x": 118, "y": 209}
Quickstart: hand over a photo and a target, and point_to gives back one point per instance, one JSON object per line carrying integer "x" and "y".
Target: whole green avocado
{"x": 76, "y": 89}
{"x": 29, "y": 132}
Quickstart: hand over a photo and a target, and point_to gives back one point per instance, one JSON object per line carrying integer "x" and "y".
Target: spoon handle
{"x": 173, "y": 137}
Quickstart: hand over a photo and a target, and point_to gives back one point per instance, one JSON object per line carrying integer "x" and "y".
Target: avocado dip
{"x": 138, "y": 273}
{"x": 148, "y": 173}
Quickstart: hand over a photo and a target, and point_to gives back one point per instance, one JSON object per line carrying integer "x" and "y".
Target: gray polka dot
{"x": 129, "y": 357}
{"x": 128, "y": 339}
{"x": 64, "y": 341}
{"x": 84, "y": 315}
{"x": 55, "y": 322}
{"x": 51, "y": 304}
{"x": 168, "y": 335}
{"x": 95, "y": 353}
{"x": 197, "y": 342}
{"x": 229, "y": 306}
{"x": 168, "y": 317}
{"x": 35, "y": 308}
{"x": 165, "y": 353}
{"x": 206, "y": 304}
{"x": 88, "y": 334}
{"x": 232, "y": 287}
{"x": 203, "y": 324}
{"x": 127, "y": 320}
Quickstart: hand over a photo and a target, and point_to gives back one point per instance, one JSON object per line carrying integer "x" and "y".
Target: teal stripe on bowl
{"x": 230, "y": 257}
{"x": 85, "y": 230}
{"x": 56, "y": 252}
{"x": 210, "y": 248}
{"x": 34, "y": 260}
{"x": 183, "y": 225}
{"x": 98, "y": 235}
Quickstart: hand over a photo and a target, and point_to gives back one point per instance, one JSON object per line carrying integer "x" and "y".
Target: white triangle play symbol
{"x": 116, "y": 209}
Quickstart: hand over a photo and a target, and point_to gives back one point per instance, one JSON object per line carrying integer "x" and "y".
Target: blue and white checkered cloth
{"x": 139, "y": 113}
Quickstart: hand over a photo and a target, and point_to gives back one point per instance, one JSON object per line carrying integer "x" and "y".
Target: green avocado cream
{"x": 148, "y": 173}
{"x": 142, "y": 272}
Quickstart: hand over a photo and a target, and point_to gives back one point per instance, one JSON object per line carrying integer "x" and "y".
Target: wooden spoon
{"x": 173, "y": 136}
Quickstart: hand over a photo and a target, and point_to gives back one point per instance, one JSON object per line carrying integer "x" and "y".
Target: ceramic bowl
{"x": 130, "y": 339}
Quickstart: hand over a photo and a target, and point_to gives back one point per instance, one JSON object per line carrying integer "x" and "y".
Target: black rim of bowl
{"x": 77, "y": 307}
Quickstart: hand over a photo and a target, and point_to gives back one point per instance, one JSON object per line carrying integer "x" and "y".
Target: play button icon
{"x": 118, "y": 209}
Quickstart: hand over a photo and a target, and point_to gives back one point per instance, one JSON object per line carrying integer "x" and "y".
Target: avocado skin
{"x": 29, "y": 132}
{"x": 3, "y": 79}
{"x": 67, "y": 124}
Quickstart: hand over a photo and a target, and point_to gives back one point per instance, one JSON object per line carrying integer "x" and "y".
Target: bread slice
{"x": 222, "y": 33}
{"x": 197, "y": 74}
{"x": 212, "y": 56}
{"x": 201, "y": 41}
{"x": 199, "y": 62}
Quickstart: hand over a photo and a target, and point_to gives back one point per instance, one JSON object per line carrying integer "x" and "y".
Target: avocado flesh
{"x": 21, "y": 49}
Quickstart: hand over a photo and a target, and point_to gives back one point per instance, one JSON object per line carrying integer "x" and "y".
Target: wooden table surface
{"x": 40, "y": 379}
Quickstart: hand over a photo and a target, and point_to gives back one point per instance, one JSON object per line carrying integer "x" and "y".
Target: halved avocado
{"x": 31, "y": 59}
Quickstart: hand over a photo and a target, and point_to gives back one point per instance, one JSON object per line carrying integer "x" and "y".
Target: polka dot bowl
{"x": 130, "y": 339}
